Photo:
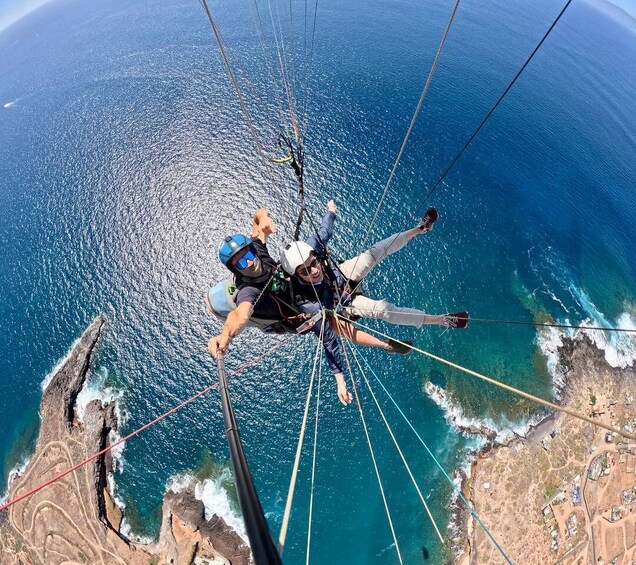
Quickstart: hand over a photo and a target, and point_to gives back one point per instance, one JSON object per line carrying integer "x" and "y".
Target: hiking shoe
{"x": 457, "y": 320}
{"x": 397, "y": 347}
{"x": 426, "y": 224}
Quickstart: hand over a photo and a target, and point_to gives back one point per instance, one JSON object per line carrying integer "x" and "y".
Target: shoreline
{"x": 77, "y": 516}
{"x": 509, "y": 484}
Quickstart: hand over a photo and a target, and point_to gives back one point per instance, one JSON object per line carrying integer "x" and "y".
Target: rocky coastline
{"x": 511, "y": 483}
{"x": 75, "y": 519}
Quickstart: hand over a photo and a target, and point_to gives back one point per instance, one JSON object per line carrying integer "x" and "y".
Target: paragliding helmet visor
{"x": 247, "y": 263}
{"x": 244, "y": 261}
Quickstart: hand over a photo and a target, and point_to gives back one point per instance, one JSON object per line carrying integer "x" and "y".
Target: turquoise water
{"x": 124, "y": 159}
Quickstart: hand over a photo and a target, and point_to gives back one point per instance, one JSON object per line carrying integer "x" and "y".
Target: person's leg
{"x": 366, "y": 307}
{"x": 357, "y": 268}
{"x": 359, "y": 337}
{"x": 345, "y": 328}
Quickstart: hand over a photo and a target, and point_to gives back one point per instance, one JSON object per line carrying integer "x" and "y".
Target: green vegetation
{"x": 551, "y": 488}
{"x": 18, "y": 546}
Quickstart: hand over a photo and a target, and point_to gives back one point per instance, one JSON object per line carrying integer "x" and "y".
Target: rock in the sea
{"x": 186, "y": 532}
{"x": 74, "y": 519}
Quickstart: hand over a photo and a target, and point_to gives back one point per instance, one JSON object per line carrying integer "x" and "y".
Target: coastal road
{"x": 588, "y": 525}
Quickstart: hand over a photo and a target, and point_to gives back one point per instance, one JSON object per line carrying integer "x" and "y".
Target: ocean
{"x": 124, "y": 161}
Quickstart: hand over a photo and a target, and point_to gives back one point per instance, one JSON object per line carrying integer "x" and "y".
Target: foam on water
{"x": 17, "y": 471}
{"x": 454, "y": 414}
{"x": 619, "y": 347}
{"x": 49, "y": 377}
{"x": 549, "y": 340}
{"x": 554, "y": 297}
{"x": 479, "y": 429}
{"x": 96, "y": 389}
{"x": 127, "y": 532}
{"x": 214, "y": 496}
{"x": 216, "y": 501}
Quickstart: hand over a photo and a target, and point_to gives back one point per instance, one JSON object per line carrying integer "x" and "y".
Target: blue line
{"x": 452, "y": 483}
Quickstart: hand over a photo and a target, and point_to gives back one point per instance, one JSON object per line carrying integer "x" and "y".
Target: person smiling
{"x": 257, "y": 278}
{"x": 317, "y": 285}
{"x": 263, "y": 292}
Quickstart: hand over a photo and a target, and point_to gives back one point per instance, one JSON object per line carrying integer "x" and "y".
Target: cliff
{"x": 74, "y": 520}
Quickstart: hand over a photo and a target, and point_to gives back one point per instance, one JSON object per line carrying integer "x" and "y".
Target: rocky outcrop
{"x": 74, "y": 519}
{"x": 185, "y": 533}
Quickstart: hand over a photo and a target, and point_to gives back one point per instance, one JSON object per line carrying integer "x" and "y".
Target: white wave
{"x": 96, "y": 389}
{"x": 216, "y": 501}
{"x": 47, "y": 380}
{"x": 17, "y": 471}
{"x": 110, "y": 480}
{"x": 127, "y": 532}
{"x": 11, "y": 104}
{"x": 180, "y": 482}
{"x": 453, "y": 525}
{"x": 549, "y": 340}
{"x": 479, "y": 430}
{"x": 619, "y": 347}
{"x": 125, "y": 529}
{"x": 555, "y": 298}
{"x": 454, "y": 414}
{"x": 214, "y": 497}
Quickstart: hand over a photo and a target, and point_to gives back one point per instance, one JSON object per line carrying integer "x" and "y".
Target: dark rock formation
{"x": 74, "y": 519}
{"x": 186, "y": 532}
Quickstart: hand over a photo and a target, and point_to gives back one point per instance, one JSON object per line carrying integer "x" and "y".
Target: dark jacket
{"x": 312, "y": 298}
{"x": 274, "y": 303}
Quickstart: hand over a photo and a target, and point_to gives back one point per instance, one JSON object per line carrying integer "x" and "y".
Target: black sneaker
{"x": 458, "y": 320}
{"x": 426, "y": 224}
{"x": 397, "y": 347}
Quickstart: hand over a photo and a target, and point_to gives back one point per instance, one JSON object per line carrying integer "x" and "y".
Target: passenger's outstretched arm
{"x": 234, "y": 325}
{"x": 334, "y": 360}
{"x": 320, "y": 239}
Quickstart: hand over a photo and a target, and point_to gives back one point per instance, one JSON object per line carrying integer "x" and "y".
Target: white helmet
{"x": 295, "y": 255}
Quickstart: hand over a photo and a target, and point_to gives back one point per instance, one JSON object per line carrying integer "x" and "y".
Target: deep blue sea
{"x": 124, "y": 160}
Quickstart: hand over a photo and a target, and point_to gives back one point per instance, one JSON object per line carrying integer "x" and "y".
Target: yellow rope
{"x": 509, "y": 388}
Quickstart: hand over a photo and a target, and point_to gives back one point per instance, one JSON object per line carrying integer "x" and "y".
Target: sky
{"x": 13, "y": 10}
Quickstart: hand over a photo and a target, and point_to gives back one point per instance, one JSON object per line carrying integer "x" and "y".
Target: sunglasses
{"x": 304, "y": 270}
{"x": 249, "y": 255}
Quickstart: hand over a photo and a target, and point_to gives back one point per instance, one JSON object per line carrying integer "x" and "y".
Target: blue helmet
{"x": 231, "y": 245}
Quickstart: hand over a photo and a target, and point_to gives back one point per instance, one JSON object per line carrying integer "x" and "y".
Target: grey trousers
{"x": 357, "y": 268}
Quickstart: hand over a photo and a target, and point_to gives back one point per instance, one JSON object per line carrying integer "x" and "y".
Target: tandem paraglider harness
{"x": 220, "y": 300}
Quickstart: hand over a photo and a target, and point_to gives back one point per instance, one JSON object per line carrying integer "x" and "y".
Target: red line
{"x": 138, "y": 430}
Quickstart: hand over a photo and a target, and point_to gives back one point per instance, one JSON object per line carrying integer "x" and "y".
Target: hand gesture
{"x": 331, "y": 206}
{"x": 262, "y": 225}
{"x": 219, "y": 344}
{"x": 343, "y": 394}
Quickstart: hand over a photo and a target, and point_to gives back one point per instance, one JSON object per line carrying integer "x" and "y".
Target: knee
{"x": 381, "y": 308}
